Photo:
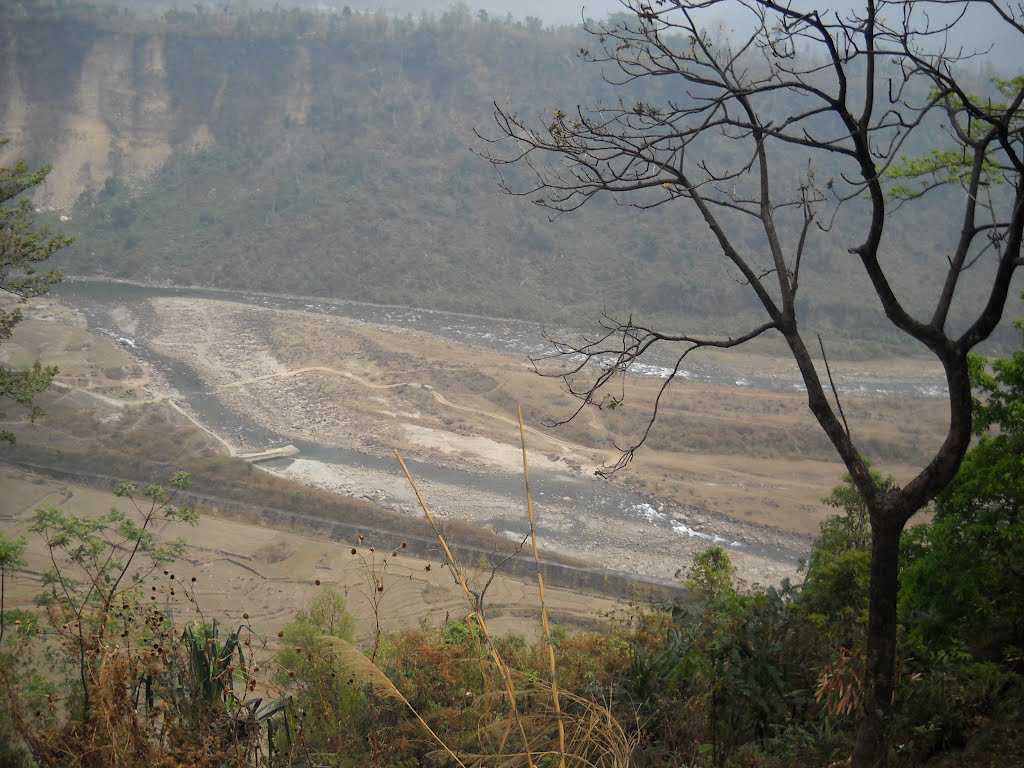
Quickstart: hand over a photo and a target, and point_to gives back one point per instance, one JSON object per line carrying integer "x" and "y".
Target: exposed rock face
{"x": 15, "y": 112}
{"x": 116, "y": 122}
{"x": 102, "y": 96}
{"x": 261, "y": 153}
{"x": 109, "y": 110}
{"x": 147, "y": 146}
{"x": 300, "y": 87}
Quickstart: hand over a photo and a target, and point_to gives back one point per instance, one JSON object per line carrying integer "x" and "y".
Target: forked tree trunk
{"x": 872, "y": 746}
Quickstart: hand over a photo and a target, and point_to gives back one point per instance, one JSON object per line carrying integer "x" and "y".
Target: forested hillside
{"x": 334, "y": 155}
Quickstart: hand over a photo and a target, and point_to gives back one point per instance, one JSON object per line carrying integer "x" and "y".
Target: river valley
{"x": 341, "y": 382}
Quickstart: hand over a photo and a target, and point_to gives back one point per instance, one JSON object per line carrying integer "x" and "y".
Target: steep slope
{"x": 333, "y": 155}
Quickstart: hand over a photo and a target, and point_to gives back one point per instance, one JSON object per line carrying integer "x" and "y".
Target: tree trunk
{"x": 872, "y": 746}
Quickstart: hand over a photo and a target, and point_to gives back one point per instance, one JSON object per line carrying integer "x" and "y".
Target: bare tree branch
{"x": 852, "y": 91}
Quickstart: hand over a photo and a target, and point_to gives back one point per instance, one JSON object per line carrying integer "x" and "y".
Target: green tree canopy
{"x": 964, "y": 584}
{"x": 24, "y": 245}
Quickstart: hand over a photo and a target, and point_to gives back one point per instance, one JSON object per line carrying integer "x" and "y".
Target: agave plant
{"x": 206, "y": 680}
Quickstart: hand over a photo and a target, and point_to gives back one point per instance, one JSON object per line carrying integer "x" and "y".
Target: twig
{"x": 831, "y": 383}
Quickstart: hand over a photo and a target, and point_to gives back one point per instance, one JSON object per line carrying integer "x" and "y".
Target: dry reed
{"x": 589, "y": 735}
{"x": 545, "y": 623}
{"x": 373, "y": 676}
{"x": 474, "y": 608}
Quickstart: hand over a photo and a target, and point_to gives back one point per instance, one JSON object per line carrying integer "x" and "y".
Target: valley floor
{"x": 737, "y": 465}
{"x": 263, "y": 575}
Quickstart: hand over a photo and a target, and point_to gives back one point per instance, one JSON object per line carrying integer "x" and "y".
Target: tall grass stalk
{"x": 545, "y": 623}
{"x": 460, "y": 578}
{"x": 371, "y": 674}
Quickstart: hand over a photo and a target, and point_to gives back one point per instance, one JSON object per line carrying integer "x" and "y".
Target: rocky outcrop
{"x": 146, "y": 146}
{"x": 83, "y": 158}
{"x": 15, "y": 122}
{"x": 116, "y": 121}
{"x": 300, "y": 88}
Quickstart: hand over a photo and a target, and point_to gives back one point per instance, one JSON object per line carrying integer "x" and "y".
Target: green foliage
{"x": 206, "y": 680}
{"x": 327, "y": 615}
{"x": 917, "y": 174}
{"x": 24, "y": 245}
{"x": 936, "y": 168}
{"x": 964, "y": 583}
{"x": 326, "y": 693}
{"x": 940, "y": 706}
{"x": 91, "y": 556}
{"x": 97, "y": 560}
{"x": 460, "y": 632}
{"x": 711, "y": 574}
{"x": 13, "y": 752}
{"x": 11, "y": 551}
{"x": 835, "y": 591}
{"x": 733, "y": 673}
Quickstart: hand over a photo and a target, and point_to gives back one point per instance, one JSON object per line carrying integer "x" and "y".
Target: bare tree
{"x": 848, "y": 94}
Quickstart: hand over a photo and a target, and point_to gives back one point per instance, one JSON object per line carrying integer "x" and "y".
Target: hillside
{"x": 333, "y": 155}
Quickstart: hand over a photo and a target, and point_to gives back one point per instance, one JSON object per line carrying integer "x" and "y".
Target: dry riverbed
{"x": 740, "y": 466}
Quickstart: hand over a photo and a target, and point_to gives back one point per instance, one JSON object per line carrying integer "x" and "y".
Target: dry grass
{"x": 595, "y": 736}
{"x": 229, "y": 558}
{"x": 120, "y": 732}
{"x": 545, "y": 621}
{"x": 751, "y": 454}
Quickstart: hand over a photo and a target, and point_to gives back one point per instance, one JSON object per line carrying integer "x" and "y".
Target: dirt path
{"x": 122, "y": 404}
{"x": 441, "y": 399}
{"x": 292, "y": 373}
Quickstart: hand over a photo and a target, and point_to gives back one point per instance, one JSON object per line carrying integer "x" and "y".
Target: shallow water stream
{"x": 580, "y": 497}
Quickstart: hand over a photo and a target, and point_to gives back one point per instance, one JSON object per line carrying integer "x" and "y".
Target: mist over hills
{"x": 980, "y": 31}
{"x": 331, "y": 154}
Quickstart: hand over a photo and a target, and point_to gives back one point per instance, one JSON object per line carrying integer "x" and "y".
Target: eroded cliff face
{"x": 335, "y": 159}
{"x": 119, "y": 105}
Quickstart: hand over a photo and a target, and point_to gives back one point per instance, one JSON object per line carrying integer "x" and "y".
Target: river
{"x": 605, "y": 506}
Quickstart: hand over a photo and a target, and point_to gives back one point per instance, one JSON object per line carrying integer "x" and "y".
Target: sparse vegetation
{"x": 747, "y": 677}
{"x": 889, "y": 650}
{"x": 767, "y": 677}
{"x": 375, "y": 194}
